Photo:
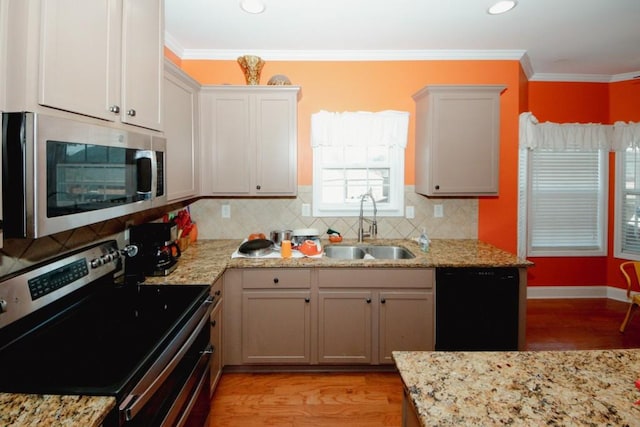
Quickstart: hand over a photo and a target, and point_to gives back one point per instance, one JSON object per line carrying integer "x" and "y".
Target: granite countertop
{"x": 205, "y": 260}
{"x": 590, "y": 387}
{"x": 47, "y": 410}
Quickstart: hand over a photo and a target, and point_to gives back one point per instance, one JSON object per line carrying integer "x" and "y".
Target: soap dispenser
{"x": 423, "y": 241}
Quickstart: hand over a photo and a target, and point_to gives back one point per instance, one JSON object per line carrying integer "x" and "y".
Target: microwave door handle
{"x": 146, "y": 170}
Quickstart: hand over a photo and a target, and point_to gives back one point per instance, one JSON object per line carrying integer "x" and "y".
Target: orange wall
{"x": 563, "y": 102}
{"x": 624, "y": 98}
{"x": 382, "y": 85}
{"x": 584, "y": 102}
{"x": 373, "y": 86}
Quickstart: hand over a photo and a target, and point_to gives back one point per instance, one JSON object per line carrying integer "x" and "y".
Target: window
{"x": 563, "y": 188}
{"x": 354, "y": 152}
{"x": 342, "y": 174}
{"x": 627, "y": 220}
{"x": 566, "y": 198}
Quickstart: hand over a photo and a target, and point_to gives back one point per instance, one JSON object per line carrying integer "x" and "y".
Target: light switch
{"x": 306, "y": 209}
{"x": 226, "y": 211}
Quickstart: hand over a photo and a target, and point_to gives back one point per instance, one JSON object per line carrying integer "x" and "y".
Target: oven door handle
{"x": 134, "y": 402}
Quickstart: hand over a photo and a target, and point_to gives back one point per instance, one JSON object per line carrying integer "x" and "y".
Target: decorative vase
{"x": 251, "y": 67}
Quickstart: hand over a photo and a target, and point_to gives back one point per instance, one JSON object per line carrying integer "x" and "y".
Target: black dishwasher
{"x": 477, "y": 309}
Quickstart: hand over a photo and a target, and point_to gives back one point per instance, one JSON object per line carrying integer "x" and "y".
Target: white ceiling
{"x": 573, "y": 40}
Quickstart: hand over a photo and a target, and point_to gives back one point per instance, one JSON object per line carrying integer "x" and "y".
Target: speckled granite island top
{"x": 205, "y": 260}
{"x": 563, "y": 388}
{"x": 47, "y": 410}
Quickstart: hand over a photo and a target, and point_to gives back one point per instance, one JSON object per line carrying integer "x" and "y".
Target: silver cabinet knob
{"x": 131, "y": 112}
{"x": 114, "y": 109}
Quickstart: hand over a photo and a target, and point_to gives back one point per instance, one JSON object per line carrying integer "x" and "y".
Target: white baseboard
{"x": 542, "y": 292}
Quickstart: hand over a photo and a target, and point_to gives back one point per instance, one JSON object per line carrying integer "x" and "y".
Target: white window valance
{"x": 360, "y": 128}
{"x": 563, "y": 136}
{"x": 626, "y": 135}
{"x": 577, "y": 136}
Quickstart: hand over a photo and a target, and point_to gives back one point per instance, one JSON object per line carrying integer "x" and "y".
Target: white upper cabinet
{"x": 249, "y": 137}
{"x": 101, "y": 59}
{"x": 142, "y": 62}
{"x": 181, "y": 130}
{"x": 458, "y": 140}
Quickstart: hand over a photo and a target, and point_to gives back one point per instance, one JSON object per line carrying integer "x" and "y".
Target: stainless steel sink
{"x": 370, "y": 251}
{"x": 389, "y": 252}
{"x": 344, "y": 252}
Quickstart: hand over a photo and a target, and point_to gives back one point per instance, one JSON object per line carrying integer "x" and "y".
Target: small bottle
{"x": 423, "y": 241}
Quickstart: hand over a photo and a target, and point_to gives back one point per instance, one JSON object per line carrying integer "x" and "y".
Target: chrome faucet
{"x": 373, "y": 223}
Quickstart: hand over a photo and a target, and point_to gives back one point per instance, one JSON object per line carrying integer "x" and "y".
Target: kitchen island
{"x": 48, "y": 410}
{"x": 592, "y": 387}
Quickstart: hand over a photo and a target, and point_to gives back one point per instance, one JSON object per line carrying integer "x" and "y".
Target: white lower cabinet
{"x": 326, "y": 316}
{"x": 344, "y": 327}
{"x": 406, "y": 322}
{"x": 216, "y": 335}
{"x": 276, "y": 326}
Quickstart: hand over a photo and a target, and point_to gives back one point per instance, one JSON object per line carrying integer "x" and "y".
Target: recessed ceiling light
{"x": 502, "y": 7}
{"x": 252, "y": 6}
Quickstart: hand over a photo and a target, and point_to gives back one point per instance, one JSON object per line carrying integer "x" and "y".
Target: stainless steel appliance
{"x": 159, "y": 251}
{"x": 69, "y": 326}
{"x": 59, "y": 174}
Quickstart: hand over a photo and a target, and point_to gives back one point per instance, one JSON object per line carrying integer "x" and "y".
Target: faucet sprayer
{"x": 373, "y": 224}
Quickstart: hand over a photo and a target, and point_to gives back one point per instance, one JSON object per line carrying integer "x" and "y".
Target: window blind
{"x": 567, "y": 209}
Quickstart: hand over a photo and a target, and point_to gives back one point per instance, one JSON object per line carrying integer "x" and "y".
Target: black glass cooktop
{"x": 100, "y": 345}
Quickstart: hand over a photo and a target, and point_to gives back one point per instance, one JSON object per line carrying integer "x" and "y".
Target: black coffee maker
{"x": 158, "y": 251}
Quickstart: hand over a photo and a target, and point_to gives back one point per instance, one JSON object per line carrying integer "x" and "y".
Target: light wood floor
{"x": 374, "y": 399}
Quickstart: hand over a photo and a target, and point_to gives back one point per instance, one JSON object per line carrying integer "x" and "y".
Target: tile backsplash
{"x": 459, "y": 220}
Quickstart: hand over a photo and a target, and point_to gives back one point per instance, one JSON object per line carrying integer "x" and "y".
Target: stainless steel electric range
{"x": 68, "y": 326}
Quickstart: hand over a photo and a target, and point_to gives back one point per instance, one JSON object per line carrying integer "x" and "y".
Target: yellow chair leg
{"x": 626, "y": 318}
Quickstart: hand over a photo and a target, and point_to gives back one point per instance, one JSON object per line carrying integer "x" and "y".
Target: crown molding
{"x": 394, "y": 55}
{"x": 354, "y": 55}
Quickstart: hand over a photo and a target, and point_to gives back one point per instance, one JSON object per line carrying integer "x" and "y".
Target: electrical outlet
{"x": 306, "y": 209}
{"x": 226, "y": 211}
{"x": 410, "y": 212}
{"x": 438, "y": 211}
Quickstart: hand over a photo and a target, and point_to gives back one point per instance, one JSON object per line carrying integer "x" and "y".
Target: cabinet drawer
{"x": 276, "y": 278}
{"x": 377, "y": 277}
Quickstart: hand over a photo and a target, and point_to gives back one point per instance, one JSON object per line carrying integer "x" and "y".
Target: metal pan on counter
{"x": 256, "y": 247}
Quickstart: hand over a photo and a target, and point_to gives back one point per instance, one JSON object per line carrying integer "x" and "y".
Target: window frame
{"x": 394, "y": 208}
{"x": 526, "y": 208}
{"x": 618, "y": 251}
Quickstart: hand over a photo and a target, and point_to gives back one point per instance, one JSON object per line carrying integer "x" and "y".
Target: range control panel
{"x": 55, "y": 279}
{"x": 45, "y": 283}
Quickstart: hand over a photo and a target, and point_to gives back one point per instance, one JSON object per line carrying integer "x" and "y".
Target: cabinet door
{"x": 180, "y": 125}
{"x": 142, "y": 63}
{"x": 80, "y": 56}
{"x": 276, "y": 146}
{"x": 406, "y": 322}
{"x": 216, "y": 344}
{"x": 344, "y": 330}
{"x": 276, "y": 327}
{"x": 230, "y": 155}
{"x": 458, "y": 140}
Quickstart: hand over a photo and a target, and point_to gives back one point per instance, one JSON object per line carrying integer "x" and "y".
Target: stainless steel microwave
{"x": 59, "y": 174}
